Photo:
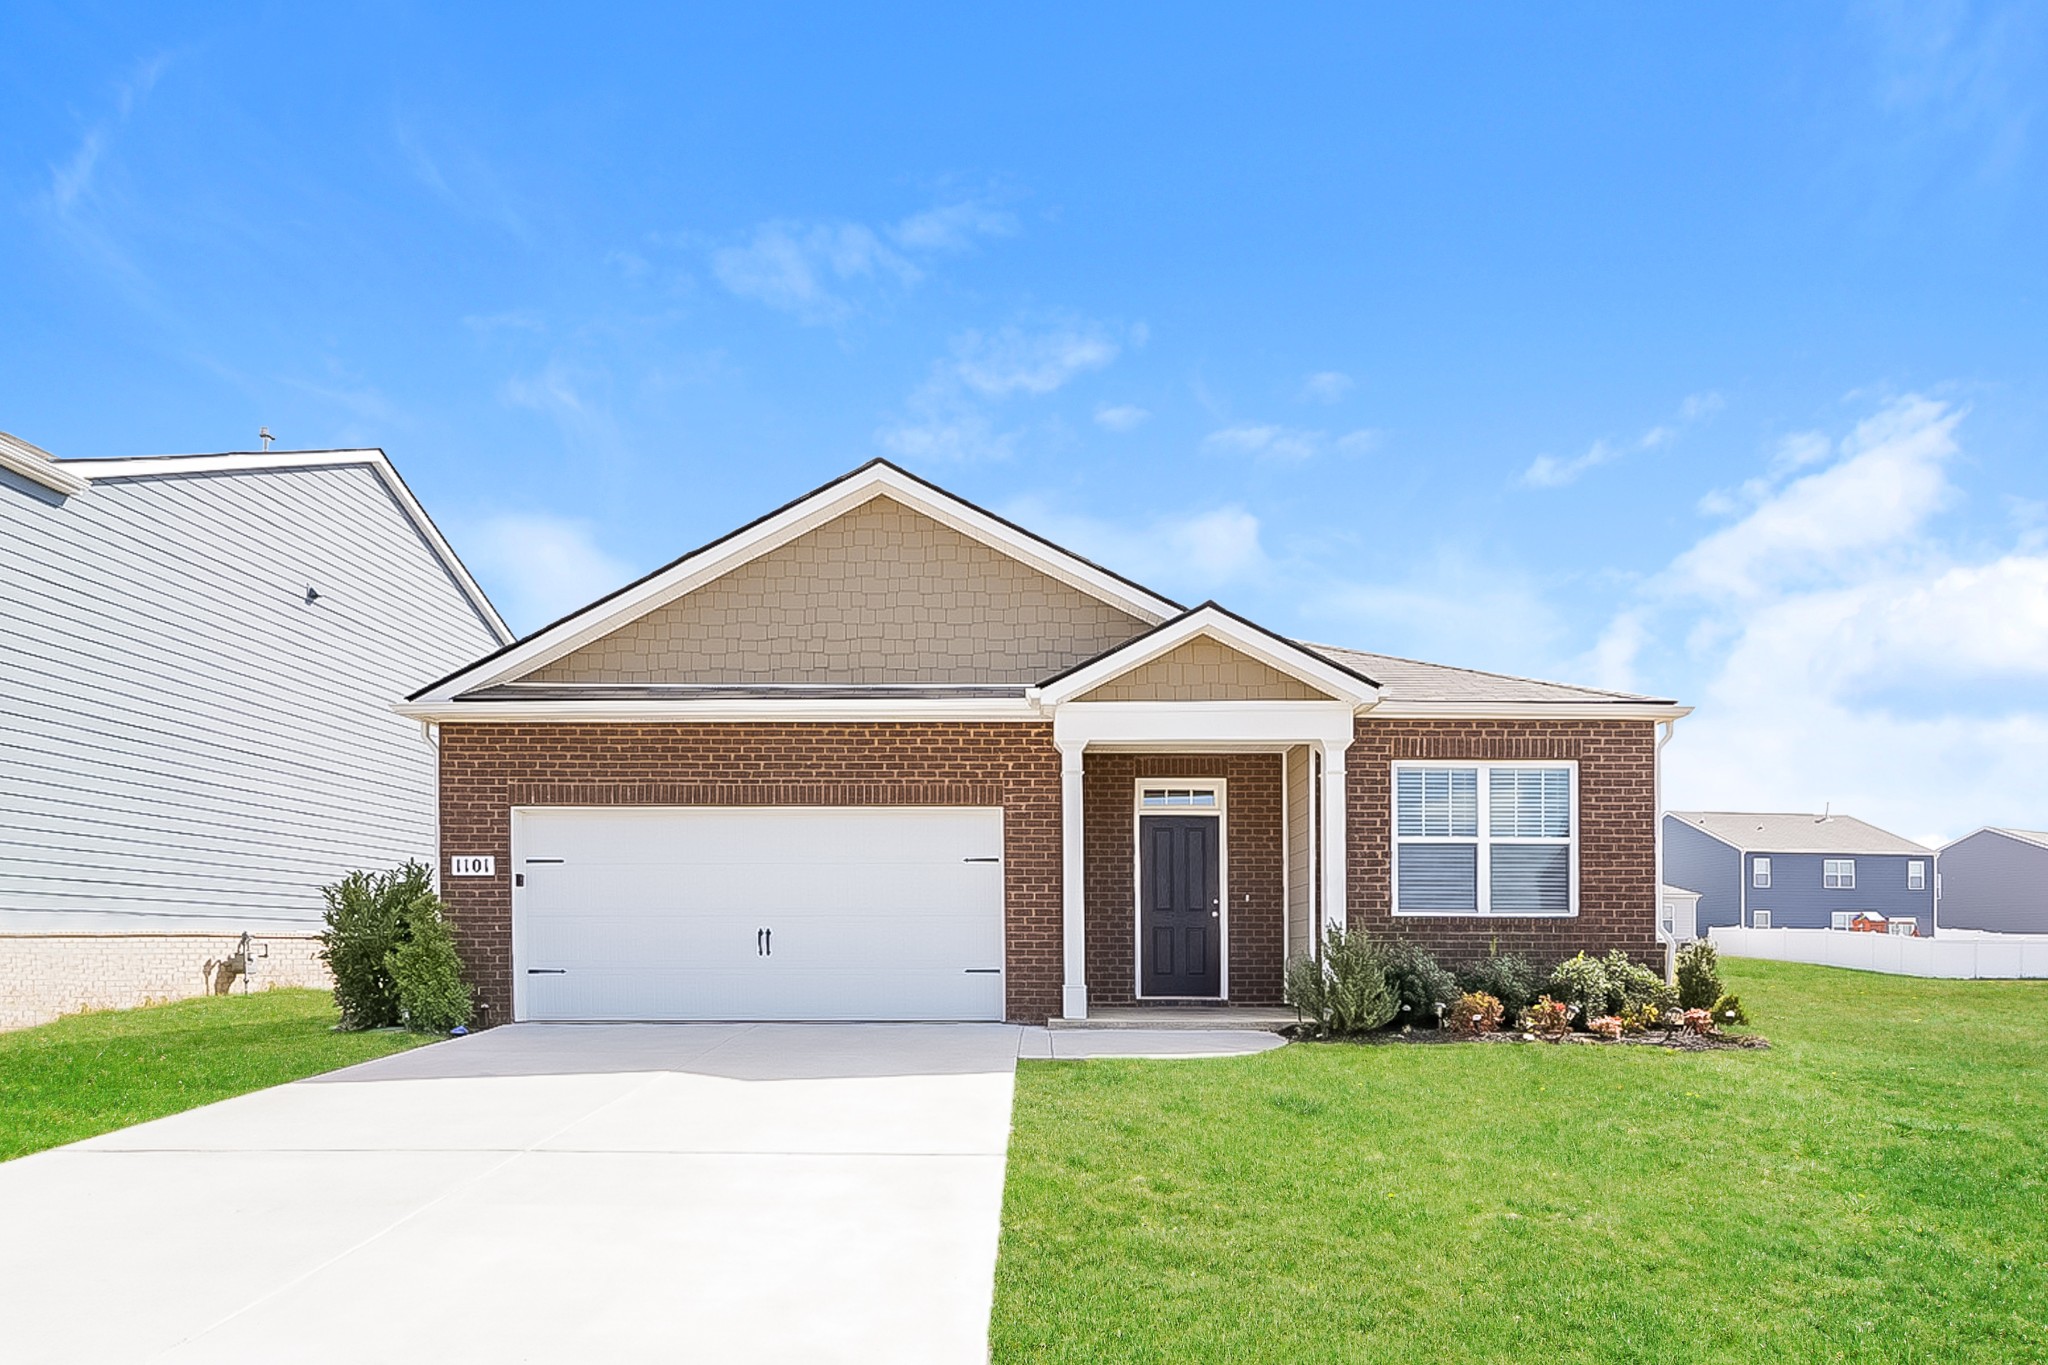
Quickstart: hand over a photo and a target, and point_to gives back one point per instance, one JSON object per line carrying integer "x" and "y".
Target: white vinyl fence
{"x": 1962, "y": 954}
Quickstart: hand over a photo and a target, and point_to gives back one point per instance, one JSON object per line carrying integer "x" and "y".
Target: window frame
{"x": 1759, "y": 919}
{"x": 1759, "y": 874}
{"x": 1832, "y": 878}
{"x": 1916, "y": 874}
{"x": 1483, "y": 842}
{"x": 1841, "y": 920}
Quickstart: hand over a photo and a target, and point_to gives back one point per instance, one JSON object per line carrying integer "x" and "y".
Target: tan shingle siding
{"x": 882, "y": 594}
{"x": 1205, "y": 670}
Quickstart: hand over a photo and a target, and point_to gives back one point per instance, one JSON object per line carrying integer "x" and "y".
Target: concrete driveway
{"x": 549, "y": 1193}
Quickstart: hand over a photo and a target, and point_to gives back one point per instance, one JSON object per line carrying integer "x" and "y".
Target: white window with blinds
{"x": 1486, "y": 838}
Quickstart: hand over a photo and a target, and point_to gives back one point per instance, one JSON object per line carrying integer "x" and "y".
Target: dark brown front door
{"x": 1180, "y": 907}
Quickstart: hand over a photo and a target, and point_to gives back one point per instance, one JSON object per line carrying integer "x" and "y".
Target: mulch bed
{"x": 1675, "y": 1040}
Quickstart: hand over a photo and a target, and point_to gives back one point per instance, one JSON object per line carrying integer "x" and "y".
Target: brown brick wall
{"x": 1252, "y": 837}
{"x": 487, "y": 769}
{"x": 1617, "y": 834}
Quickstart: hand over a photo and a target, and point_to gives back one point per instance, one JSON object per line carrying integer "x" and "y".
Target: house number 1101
{"x": 472, "y": 867}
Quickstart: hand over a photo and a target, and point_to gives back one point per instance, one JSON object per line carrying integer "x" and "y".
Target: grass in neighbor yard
{"x": 1874, "y": 1187}
{"x": 93, "y": 1073}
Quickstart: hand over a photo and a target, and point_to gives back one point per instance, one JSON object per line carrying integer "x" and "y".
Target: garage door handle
{"x": 981, "y": 860}
{"x": 547, "y": 971}
{"x": 984, "y": 971}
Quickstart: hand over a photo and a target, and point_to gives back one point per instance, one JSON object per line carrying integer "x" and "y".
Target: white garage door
{"x": 758, "y": 913}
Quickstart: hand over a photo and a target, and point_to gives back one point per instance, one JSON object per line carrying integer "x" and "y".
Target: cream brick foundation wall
{"x": 43, "y": 976}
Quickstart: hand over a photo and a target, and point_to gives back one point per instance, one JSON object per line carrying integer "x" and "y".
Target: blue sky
{"x": 1699, "y": 352}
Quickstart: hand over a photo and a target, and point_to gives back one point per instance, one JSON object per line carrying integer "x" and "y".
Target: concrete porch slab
{"x": 1158, "y": 1018}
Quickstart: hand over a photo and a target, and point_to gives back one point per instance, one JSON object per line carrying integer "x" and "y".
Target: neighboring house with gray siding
{"x": 197, "y": 660}
{"x": 1797, "y": 871}
{"x": 1996, "y": 880}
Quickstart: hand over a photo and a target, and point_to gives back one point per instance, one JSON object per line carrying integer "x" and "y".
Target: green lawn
{"x": 1874, "y": 1187}
{"x": 92, "y": 1073}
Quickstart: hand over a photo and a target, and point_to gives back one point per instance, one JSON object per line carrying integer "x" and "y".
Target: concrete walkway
{"x": 551, "y": 1193}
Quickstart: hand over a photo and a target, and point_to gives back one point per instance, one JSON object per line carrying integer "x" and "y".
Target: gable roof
{"x": 1753, "y": 832}
{"x": 1337, "y": 681}
{"x": 93, "y": 471}
{"x": 2037, "y": 838}
{"x": 33, "y": 462}
{"x": 876, "y": 478}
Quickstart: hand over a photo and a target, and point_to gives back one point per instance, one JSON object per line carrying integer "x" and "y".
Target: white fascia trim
{"x": 1196, "y": 725}
{"x": 693, "y": 572}
{"x": 1219, "y": 626}
{"x": 749, "y": 709}
{"x": 49, "y": 473}
{"x": 1525, "y": 710}
{"x": 263, "y": 461}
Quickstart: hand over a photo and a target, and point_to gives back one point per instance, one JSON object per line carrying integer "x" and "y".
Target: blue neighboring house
{"x": 1766, "y": 871}
{"x": 1996, "y": 880}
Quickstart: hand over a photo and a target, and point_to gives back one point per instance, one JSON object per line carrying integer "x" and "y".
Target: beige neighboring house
{"x": 881, "y": 754}
{"x": 197, "y": 655}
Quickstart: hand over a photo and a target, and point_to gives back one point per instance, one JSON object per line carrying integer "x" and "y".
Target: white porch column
{"x": 1073, "y": 886}
{"x": 1335, "y": 825}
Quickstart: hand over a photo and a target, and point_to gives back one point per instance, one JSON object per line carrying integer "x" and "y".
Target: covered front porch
{"x": 1203, "y": 815}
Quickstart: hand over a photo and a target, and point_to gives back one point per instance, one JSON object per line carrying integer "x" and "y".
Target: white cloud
{"x": 1453, "y": 608}
{"x": 800, "y": 268}
{"x": 948, "y": 416}
{"x": 1547, "y": 471}
{"x": 937, "y": 430}
{"x": 1011, "y": 360}
{"x": 953, "y": 227}
{"x": 574, "y": 398}
{"x": 1326, "y": 386}
{"x": 1121, "y": 416}
{"x": 815, "y": 271}
{"x": 1849, "y": 652}
{"x": 1700, "y": 406}
{"x": 1552, "y": 471}
{"x": 538, "y": 567}
{"x": 1287, "y": 444}
{"x": 1192, "y": 553}
{"x": 1870, "y": 503}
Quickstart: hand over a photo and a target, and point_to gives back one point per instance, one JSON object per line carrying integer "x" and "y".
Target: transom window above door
{"x": 1180, "y": 798}
{"x": 1485, "y": 839}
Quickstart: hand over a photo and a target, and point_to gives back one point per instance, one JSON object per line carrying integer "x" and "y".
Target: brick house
{"x": 883, "y": 755}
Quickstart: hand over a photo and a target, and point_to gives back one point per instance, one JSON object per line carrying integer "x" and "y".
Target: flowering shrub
{"x": 1549, "y": 1018}
{"x": 1606, "y": 1026}
{"x": 1700, "y": 1021}
{"x": 1641, "y": 1018}
{"x": 1476, "y": 1012}
{"x": 1508, "y": 977}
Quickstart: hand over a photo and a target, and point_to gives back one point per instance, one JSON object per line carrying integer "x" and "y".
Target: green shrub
{"x": 1508, "y": 977}
{"x": 1346, "y": 991}
{"x": 1699, "y": 975}
{"x": 1417, "y": 981}
{"x": 381, "y": 977}
{"x": 1582, "y": 982}
{"x": 1728, "y": 1012}
{"x": 1630, "y": 985}
{"x": 432, "y": 996}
